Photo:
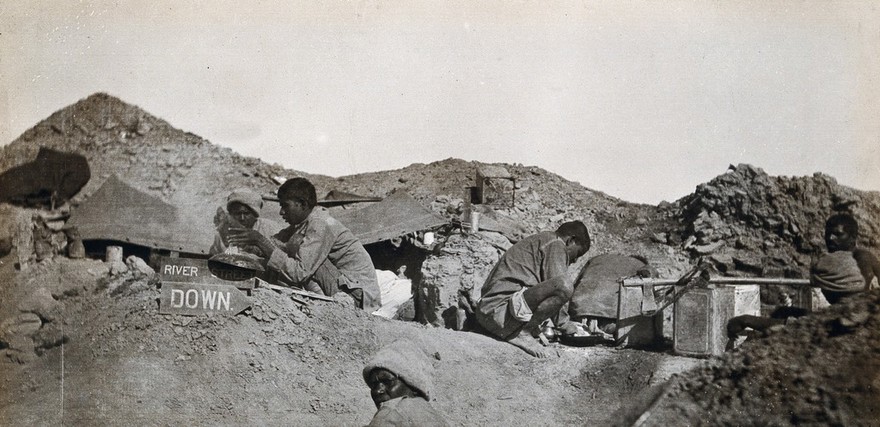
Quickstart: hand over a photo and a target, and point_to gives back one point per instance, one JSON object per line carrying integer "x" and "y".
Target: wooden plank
{"x": 195, "y": 270}
{"x": 265, "y": 284}
{"x": 198, "y": 298}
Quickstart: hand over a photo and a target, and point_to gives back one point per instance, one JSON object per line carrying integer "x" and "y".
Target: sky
{"x": 641, "y": 100}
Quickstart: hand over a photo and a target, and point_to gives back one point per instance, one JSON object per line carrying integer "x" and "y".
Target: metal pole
{"x": 632, "y": 282}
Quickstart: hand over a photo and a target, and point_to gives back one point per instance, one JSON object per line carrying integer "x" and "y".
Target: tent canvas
{"x": 122, "y": 213}
{"x": 396, "y": 215}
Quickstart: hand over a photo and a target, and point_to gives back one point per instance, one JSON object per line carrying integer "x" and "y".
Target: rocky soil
{"x": 818, "y": 370}
{"x": 82, "y": 341}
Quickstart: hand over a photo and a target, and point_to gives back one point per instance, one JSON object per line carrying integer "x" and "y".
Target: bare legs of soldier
{"x": 544, "y": 300}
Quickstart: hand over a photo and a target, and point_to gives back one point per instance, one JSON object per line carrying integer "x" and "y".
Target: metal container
{"x": 634, "y": 328}
{"x": 701, "y": 315}
{"x": 810, "y": 299}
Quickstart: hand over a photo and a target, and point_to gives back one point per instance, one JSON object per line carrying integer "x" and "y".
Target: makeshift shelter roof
{"x": 397, "y": 215}
{"x": 52, "y": 177}
{"x": 122, "y": 213}
{"x": 336, "y": 198}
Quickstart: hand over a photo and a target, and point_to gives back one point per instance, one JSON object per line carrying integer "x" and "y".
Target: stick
{"x": 682, "y": 285}
{"x": 313, "y": 295}
{"x": 299, "y": 300}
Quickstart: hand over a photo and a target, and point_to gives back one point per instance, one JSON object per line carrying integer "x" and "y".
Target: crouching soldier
{"x": 399, "y": 377}
{"x": 529, "y": 285}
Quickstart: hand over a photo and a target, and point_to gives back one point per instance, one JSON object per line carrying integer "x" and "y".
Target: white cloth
{"x": 519, "y": 308}
{"x": 394, "y": 293}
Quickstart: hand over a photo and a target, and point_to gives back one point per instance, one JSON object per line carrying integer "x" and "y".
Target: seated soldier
{"x": 845, "y": 270}
{"x": 242, "y": 212}
{"x": 529, "y": 285}
{"x": 399, "y": 377}
{"x": 841, "y": 273}
{"x": 315, "y": 252}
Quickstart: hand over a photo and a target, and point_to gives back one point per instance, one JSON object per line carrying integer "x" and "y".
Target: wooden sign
{"x": 199, "y": 298}
{"x": 195, "y": 270}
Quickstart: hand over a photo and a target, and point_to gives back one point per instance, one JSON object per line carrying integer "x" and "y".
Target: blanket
{"x": 838, "y": 272}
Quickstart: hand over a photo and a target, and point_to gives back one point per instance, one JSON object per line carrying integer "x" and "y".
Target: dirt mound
{"x": 818, "y": 370}
{"x": 752, "y": 223}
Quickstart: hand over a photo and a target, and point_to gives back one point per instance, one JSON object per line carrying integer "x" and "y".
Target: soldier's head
{"x": 244, "y": 206}
{"x": 841, "y": 232}
{"x": 401, "y": 369}
{"x": 576, "y": 238}
{"x": 297, "y": 198}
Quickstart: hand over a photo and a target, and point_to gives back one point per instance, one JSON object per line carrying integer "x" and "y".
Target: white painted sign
{"x": 199, "y": 298}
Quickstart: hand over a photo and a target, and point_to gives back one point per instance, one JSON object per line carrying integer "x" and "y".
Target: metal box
{"x": 809, "y": 298}
{"x": 633, "y": 327}
{"x": 701, "y": 315}
{"x": 495, "y": 186}
{"x": 700, "y": 318}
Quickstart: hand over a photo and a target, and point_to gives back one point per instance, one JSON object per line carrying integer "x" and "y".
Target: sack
{"x": 597, "y": 287}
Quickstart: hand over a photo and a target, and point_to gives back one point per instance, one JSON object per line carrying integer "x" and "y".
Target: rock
{"x": 117, "y": 268}
{"x": 344, "y": 300}
{"x": 406, "y": 311}
{"x": 454, "y": 206}
{"x": 723, "y": 262}
{"x": 454, "y": 270}
{"x": 143, "y": 127}
{"x": 41, "y": 303}
{"x": 47, "y": 337}
{"x": 749, "y": 265}
{"x": 773, "y": 271}
{"x": 497, "y": 240}
{"x": 21, "y": 324}
{"x": 708, "y": 249}
{"x": 659, "y": 238}
{"x": 20, "y": 349}
{"x": 139, "y": 266}
{"x": 75, "y": 248}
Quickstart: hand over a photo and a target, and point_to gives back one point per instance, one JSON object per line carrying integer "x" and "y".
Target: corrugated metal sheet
{"x": 397, "y": 215}
{"x": 122, "y": 213}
